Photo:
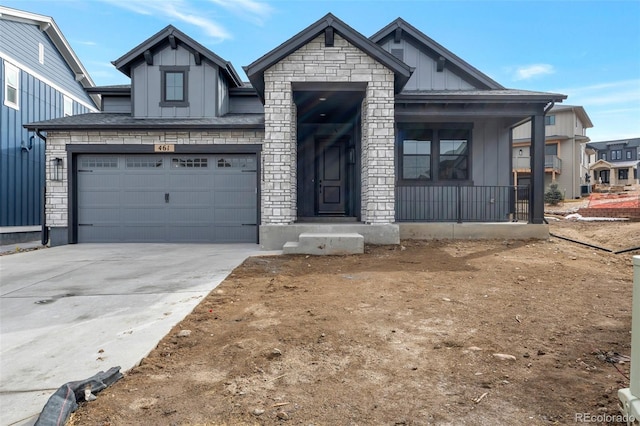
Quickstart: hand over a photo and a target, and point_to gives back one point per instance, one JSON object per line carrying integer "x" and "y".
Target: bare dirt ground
{"x": 402, "y": 335}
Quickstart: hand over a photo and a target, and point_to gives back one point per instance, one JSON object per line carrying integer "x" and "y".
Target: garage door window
{"x": 99, "y": 162}
{"x": 189, "y": 162}
{"x": 143, "y": 163}
{"x": 237, "y": 163}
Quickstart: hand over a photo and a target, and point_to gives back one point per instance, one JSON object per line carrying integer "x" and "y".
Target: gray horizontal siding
{"x": 245, "y": 105}
{"x": 22, "y": 170}
{"x": 20, "y": 41}
{"x": 118, "y": 104}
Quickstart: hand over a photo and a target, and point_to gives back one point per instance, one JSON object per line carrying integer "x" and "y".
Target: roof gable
{"x": 400, "y": 28}
{"x": 50, "y": 28}
{"x": 171, "y": 36}
{"x": 255, "y": 71}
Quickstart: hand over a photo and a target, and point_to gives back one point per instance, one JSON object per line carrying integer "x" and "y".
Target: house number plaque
{"x": 167, "y": 147}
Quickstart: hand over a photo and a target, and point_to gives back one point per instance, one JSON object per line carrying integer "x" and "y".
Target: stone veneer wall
{"x": 314, "y": 62}
{"x": 57, "y": 200}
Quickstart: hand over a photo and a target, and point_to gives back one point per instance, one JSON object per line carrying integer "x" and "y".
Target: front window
{"x": 453, "y": 159}
{"x": 11, "y": 86}
{"x": 603, "y": 156}
{"x": 434, "y": 154}
{"x": 174, "y": 86}
{"x": 416, "y": 159}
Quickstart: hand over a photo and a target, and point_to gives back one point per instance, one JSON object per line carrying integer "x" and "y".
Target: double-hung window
{"x": 11, "y": 86}
{"x": 433, "y": 154}
{"x": 175, "y": 87}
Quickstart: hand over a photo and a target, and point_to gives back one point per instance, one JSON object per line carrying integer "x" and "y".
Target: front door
{"x": 331, "y": 176}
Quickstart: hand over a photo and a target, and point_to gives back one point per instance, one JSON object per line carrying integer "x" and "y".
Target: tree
{"x": 553, "y": 195}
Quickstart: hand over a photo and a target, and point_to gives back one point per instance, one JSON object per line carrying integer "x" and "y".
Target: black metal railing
{"x": 460, "y": 203}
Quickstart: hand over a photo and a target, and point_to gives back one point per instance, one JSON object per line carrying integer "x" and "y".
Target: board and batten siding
{"x": 425, "y": 75}
{"x": 22, "y": 169}
{"x": 202, "y": 86}
{"x": 20, "y": 42}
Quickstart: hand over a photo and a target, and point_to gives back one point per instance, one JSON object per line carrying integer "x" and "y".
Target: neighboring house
{"x": 615, "y": 162}
{"x": 564, "y": 159}
{"x": 42, "y": 79}
{"x": 336, "y": 132}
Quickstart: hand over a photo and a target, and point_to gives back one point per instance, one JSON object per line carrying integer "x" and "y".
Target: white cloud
{"x": 528, "y": 72}
{"x": 178, "y": 10}
{"x": 87, "y": 43}
{"x": 623, "y": 92}
{"x": 251, "y": 10}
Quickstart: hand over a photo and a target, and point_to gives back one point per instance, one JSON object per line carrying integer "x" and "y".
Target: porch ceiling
{"x": 327, "y": 106}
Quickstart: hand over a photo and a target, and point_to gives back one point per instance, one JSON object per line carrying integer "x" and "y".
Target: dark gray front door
{"x": 331, "y": 176}
{"x": 167, "y": 198}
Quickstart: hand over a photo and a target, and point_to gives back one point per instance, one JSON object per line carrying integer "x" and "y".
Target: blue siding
{"x": 22, "y": 169}
{"x": 20, "y": 41}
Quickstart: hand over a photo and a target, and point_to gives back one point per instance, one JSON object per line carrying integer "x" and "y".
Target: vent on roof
{"x": 398, "y": 53}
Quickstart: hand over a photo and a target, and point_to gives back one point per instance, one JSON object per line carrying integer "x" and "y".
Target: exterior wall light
{"x": 57, "y": 169}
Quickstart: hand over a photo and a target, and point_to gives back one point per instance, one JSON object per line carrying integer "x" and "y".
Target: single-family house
{"x": 334, "y": 132}
{"x": 42, "y": 79}
{"x": 564, "y": 151}
{"x": 615, "y": 162}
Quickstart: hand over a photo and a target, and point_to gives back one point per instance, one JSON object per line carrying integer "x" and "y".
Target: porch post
{"x": 537, "y": 168}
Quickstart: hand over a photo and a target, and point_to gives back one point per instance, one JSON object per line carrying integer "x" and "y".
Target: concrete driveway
{"x": 69, "y": 312}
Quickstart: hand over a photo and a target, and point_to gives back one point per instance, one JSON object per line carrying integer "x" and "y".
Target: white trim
{"x": 10, "y": 68}
{"x": 47, "y": 81}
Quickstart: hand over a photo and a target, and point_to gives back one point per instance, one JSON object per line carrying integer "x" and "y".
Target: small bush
{"x": 553, "y": 195}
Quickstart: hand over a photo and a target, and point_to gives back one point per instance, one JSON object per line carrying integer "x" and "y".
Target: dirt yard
{"x": 440, "y": 332}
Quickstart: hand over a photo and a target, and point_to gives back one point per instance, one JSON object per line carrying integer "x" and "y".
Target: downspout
{"x": 44, "y": 233}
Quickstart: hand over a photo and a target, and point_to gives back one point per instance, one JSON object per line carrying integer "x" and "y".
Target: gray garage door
{"x": 167, "y": 198}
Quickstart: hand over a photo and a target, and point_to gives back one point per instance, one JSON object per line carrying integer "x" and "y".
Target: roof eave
{"x": 68, "y": 127}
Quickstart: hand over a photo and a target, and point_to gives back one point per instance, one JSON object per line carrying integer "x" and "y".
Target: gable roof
{"x": 451, "y": 60}
{"x": 51, "y": 29}
{"x": 604, "y": 145}
{"x": 164, "y": 37}
{"x": 255, "y": 71}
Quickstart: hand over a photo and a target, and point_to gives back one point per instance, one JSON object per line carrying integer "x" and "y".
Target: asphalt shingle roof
{"x": 114, "y": 121}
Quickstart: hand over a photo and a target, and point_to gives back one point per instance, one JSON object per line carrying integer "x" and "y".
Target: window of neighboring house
{"x": 434, "y": 154}
{"x": 174, "y": 86}
{"x": 549, "y": 120}
{"x": 551, "y": 149}
{"x": 623, "y": 174}
{"x": 11, "y": 86}
{"x": 68, "y": 106}
{"x": 603, "y": 156}
{"x": 629, "y": 154}
{"x": 616, "y": 154}
{"x": 41, "y": 53}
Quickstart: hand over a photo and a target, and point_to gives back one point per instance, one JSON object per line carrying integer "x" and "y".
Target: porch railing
{"x": 458, "y": 203}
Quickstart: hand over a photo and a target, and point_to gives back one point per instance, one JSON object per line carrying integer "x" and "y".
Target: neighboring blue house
{"x": 42, "y": 78}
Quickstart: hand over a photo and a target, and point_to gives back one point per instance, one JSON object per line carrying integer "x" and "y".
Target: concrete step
{"x": 326, "y": 244}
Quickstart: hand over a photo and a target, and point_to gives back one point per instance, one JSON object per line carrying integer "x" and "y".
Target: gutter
{"x": 44, "y": 234}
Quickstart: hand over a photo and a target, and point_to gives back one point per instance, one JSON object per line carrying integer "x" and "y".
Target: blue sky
{"x": 586, "y": 49}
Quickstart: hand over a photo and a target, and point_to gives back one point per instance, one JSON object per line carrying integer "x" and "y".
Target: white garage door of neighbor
{"x": 167, "y": 198}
